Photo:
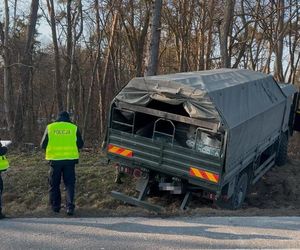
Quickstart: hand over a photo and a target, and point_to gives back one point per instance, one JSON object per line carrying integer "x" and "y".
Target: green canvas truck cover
{"x": 249, "y": 105}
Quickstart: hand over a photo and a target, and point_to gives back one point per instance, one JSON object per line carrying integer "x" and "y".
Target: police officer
{"x": 4, "y": 165}
{"x": 61, "y": 141}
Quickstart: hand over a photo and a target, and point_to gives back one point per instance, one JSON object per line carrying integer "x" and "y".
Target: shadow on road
{"x": 131, "y": 227}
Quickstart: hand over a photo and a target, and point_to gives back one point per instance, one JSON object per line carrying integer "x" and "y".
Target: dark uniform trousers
{"x": 68, "y": 174}
{"x": 1, "y": 190}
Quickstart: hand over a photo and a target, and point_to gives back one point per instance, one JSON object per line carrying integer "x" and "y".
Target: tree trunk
{"x": 141, "y": 46}
{"x": 258, "y": 42}
{"x": 69, "y": 39}
{"x": 183, "y": 36}
{"x": 152, "y": 66}
{"x": 94, "y": 71}
{"x": 8, "y": 90}
{"x": 294, "y": 39}
{"x": 226, "y": 32}
{"x": 70, "y": 83}
{"x": 209, "y": 35}
{"x": 201, "y": 33}
{"x": 72, "y": 87}
{"x": 58, "y": 84}
{"x": 136, "y": 37}
{"x": 106, "y": 92}
{"x": 242, "y": 49}
{"x": 24, "y": 115}
{"x": 278, "y": 74}
{"x": 266, "y": 68}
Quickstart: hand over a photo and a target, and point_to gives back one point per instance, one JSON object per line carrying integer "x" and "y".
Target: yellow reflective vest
{"x": 4, "y": 164}
{"x": 62, "y": 141}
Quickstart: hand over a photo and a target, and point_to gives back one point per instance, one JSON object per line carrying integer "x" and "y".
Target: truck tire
{"x": 240, "y": 191}
{"x": 238, "y": 197}
{"x": 281, "y": 155}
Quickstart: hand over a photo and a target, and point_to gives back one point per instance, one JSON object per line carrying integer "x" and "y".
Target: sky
{"x": 44, "y": 31}
{"x": 23, "y": 8}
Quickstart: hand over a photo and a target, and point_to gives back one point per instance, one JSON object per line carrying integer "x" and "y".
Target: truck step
{"x": 136, "y": 202}
{"x": 264, "y": 168}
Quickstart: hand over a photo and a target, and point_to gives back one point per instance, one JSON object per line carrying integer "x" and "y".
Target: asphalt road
{"x": 145, "y": 233}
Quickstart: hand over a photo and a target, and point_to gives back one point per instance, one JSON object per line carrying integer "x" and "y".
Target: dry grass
{"x": 26, "y": 185}
{"x": 26, "y": 190}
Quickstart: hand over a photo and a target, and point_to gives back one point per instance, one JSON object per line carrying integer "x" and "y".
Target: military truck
{"x": 207, "y": 134}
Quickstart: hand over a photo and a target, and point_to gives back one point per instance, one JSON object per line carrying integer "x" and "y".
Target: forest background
{"x": 95, "y": 47}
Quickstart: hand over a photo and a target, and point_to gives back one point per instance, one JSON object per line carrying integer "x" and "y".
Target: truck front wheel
{"x": 281, "y": 155}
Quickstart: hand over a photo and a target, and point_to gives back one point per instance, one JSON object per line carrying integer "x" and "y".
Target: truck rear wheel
{"x": 238, "y": 197}
{"x": 240, "y": 192}
{"x": 281, "y": 155}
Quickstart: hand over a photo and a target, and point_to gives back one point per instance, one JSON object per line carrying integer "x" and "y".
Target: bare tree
{"x": 94, "y": 71}
{"x": 242, "y": 39}
{"x": 179, "y": 16}
{"x": 24, "y": 114}
{"x": 201, "y": 26}
{"x": 107, "y": 90}
{"x": 225, "y": 32}
{"x": 72, "y": 57}
{"x": 278, "y": 46}
{"x": 5, "y": 51}
{"x": 152, "y": 62}
{"x": 136, "y": 35}
{"x": 293, "y": 41}
{"x": 211, "y": 11}
{"x": 58, "y": 84}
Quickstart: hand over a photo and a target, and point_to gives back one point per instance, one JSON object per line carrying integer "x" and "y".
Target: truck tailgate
{"x": 136, "y": 151}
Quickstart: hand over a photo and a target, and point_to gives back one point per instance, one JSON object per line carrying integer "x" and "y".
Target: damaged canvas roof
{"x": 248, "y": 104}
{"x": 231, "y": 96}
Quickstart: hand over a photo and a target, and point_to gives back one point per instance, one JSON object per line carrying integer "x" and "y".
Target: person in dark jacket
{"x": 4, "y": 165}
{"x": 62, "y": 141}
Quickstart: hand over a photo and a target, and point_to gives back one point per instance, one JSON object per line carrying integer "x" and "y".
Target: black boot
{"x": 70, "y": 211}
{"x": 2, "y": 216}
